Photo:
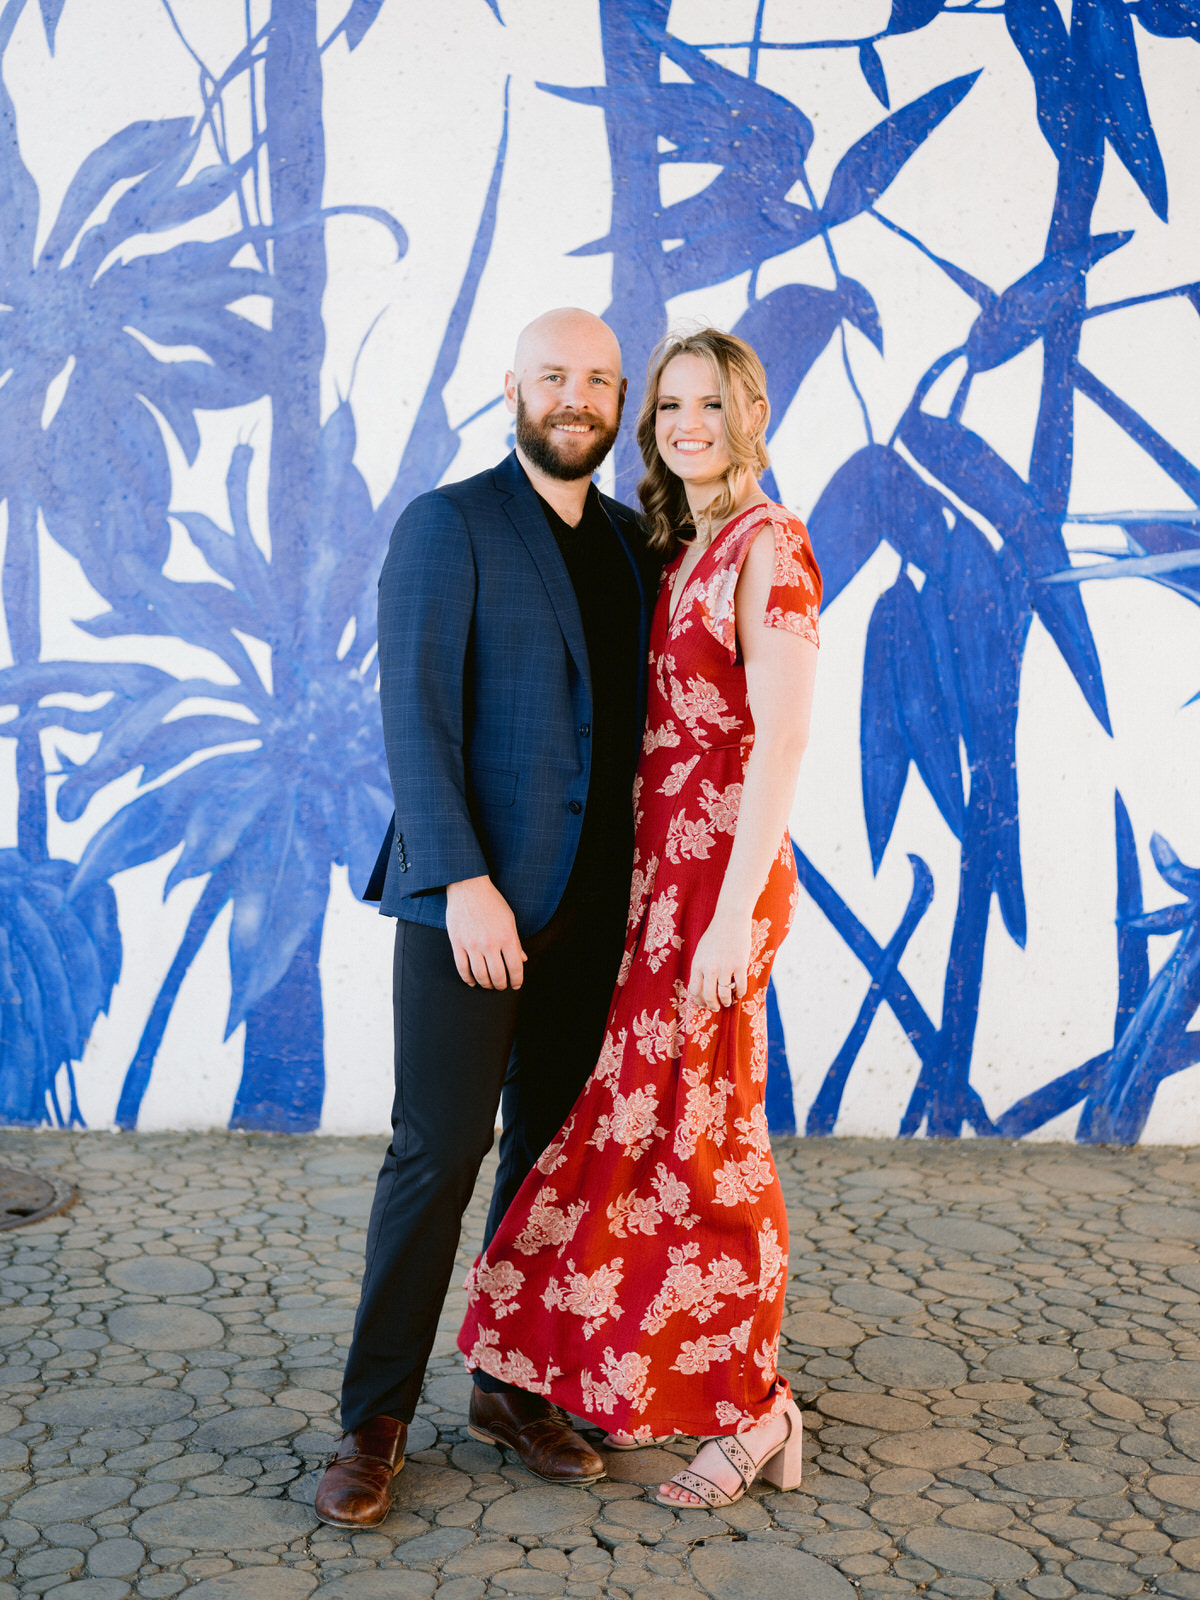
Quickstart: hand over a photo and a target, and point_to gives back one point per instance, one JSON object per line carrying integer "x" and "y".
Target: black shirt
{"x": 606, "y": 591}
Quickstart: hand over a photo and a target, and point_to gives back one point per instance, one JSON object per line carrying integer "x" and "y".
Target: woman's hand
{"x": 719, "y": 968}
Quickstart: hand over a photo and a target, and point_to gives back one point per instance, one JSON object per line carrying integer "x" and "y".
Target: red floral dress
{"x": 637, "y": 1279}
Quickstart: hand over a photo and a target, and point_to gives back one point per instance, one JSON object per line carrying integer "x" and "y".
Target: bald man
{"x": 513, "y": 623}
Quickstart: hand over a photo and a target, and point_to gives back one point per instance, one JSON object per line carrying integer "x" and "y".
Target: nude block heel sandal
{"x": 784, "y": 1468}
{"x": 781, "y": 1468}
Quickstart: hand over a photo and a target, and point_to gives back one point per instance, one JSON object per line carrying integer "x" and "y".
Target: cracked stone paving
{"x": 997, "y": 1349}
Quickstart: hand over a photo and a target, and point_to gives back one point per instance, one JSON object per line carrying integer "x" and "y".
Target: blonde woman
{"x": 638, "y": 1277}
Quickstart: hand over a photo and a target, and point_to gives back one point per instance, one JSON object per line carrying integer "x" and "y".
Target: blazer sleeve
{"x": 426, "y": 605}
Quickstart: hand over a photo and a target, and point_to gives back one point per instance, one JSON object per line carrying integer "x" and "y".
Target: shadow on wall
{"x": 265, "y": 799}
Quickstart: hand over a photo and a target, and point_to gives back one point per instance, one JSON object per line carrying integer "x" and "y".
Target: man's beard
{"x": 538, "y": 445}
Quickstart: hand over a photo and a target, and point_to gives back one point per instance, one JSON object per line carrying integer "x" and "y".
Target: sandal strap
{"x": 738, "y": 1457}
{"x": 704, "y": 1487}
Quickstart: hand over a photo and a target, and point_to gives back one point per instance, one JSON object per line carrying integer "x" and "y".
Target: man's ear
{"x": 510, "y": 392}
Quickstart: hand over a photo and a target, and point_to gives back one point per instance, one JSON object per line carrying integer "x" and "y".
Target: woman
{"x": 638, "y": 1277}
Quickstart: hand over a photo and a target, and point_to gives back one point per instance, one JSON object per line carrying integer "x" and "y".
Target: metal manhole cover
{"x": 29, "y": 1196}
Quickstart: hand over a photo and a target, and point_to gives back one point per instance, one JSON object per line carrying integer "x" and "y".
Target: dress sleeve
{"x": 795, "y": 595}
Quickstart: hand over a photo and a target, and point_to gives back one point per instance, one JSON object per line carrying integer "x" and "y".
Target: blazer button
{"x": 404, "y": 866}
{"x": 585, "y": 729}
{"x": 574, "y": 807}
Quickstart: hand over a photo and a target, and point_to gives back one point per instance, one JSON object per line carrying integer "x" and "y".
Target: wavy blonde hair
{"x": 740, "y": 382}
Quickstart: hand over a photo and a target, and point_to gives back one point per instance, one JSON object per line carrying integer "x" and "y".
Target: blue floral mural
{"x": 281, "y": 777}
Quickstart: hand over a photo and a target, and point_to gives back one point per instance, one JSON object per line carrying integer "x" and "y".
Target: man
{"x": 513, "y": 620}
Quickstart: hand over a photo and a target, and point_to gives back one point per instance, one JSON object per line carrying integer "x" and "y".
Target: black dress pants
{"x": 460, "y": 1054}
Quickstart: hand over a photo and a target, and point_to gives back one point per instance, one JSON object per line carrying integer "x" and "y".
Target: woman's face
{"x": 688, "y": 427}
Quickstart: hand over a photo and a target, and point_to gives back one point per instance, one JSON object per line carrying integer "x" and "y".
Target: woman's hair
{"x": 740, "y": 381}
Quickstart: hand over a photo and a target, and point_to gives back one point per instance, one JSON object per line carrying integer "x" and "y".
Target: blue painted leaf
{"x": 859, "y": 308}
{"x": 1162, "y": 568}
{"x": 909, "y": 15}
{"x": 1170, "y": 19}
{"x": 18, "y": 198}
{"x": 1133, "y": 962}
{"x": 759, "y": 138}
{"x": 870, "y": 165}
{"x": 1167, "y": 920}
{"x": 53, "y": 980}
{"x": 982, "y": 479}
{"x": 32, "y": 680}
{"x": 1105, "y": 32}
{"x": 76, "y": 956}
{"x": 120, "y": 503}
{"x": 764, "y": 113}
{"x": 51, "y": 11}
{"x": 128, "y": 154}
{"x": 174, "y": 742}
{"x": 147, "y": 827}
{"x": 494, "y": 6}
{"x": 884, "y": 748}
{"x": 871, "y": 68}
{"x": 927, "y": 701}
{"x": 337, "y": 571}
{"x": 58, "y": 963}
{"x": 1186, "y": 880}
{"x": 1066, "y": 113}
{"x": 279, "y": 884}
{"x": 1020, "y": 315}
{"x": 987, "y": 619}
{"x": 359, "y": 18}
{"x": 790, "y": 327}
{"x": 219, "y": 818}
{"x": 875, "y": 495}
{"x": 844, "y": 524}
{"x": 190, "y": 611}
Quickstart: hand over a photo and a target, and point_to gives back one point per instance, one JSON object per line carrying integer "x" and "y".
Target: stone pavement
{"x": 997, "y": 1348}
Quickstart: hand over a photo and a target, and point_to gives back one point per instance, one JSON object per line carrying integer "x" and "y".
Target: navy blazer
{"x": 486, "y": 697}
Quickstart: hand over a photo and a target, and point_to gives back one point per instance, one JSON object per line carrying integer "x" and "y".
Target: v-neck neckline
{"x": 673, "y": 611}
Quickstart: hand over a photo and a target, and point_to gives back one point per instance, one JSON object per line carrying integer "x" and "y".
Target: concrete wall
{"x": 262, "y": 290}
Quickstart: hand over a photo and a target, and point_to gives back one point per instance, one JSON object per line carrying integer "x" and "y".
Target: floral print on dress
{"x": 655, "y": 1219}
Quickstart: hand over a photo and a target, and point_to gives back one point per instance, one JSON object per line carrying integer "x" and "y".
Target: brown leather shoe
{"x": 356, "y": 1489}
{"x": 540, "y": 1433}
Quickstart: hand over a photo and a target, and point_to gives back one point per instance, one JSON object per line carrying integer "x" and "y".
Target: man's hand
{"x": 483, "y": 935}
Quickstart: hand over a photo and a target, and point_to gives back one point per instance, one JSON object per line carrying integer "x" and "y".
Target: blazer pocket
{"x": 493, "y": 786}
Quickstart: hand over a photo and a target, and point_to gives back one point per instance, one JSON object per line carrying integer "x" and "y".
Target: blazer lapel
{"x": 527, "y": 517}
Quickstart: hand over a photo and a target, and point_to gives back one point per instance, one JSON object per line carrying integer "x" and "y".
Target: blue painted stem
{"x": 823, "y": 1112}
{"x": 137, "y": 1076}
{"x": 283, "y": 1073}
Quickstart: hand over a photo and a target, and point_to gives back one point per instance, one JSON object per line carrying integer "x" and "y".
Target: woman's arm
{"x": 780, "y": 673}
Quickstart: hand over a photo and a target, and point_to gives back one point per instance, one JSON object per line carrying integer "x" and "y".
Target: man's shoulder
{"x": 461, "y": 496}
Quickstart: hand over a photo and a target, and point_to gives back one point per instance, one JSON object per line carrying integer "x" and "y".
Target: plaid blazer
{"x": 486, "y": 697}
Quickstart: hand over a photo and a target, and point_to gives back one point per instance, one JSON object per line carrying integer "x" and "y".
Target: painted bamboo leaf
{"x": 758, "y": 138}
{"x": 909, "y": 15}
{"x": 874, "y": 162}
{"x": 871, "y": 67}
{"x": 792, "y": 325}
{"x": 1019, "y": 316}
{"x": 973, "y": 471}
{"x": 1104, "y": 29}
{"x": 1170, "y": 19}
